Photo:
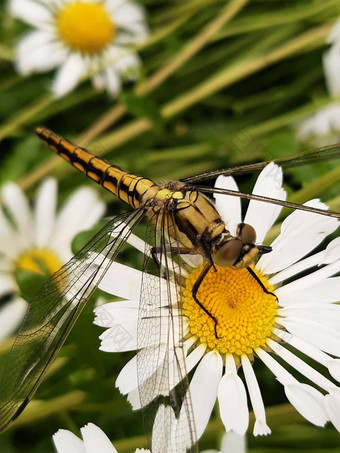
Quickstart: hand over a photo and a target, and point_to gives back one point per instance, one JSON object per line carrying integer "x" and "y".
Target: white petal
{"x": 195, "y": 356}
{"x": 127, "y": 380}
{"x": 328, "y": 315}
{"x": 128, "y": 13}
{"x": 300, "y": 233}
{"x": 168, "y": 373}
{"x": 11, "y": 316}
{"x": 323, "y": 337}
{"x": 278, "y": 370}
{"x": 323, "y": 291}
{"x": 332, "y": 403}
{"x": 44, "y": 212}
{"x": 170, "y": 434}
{"x": 80, "y": 212}
{"x": 139, "y": 244}
{"x": 323, "y": 127}
{"x": 164, "y": 430}
{"x": 263, "y": 215}
{"x": 143, "y": 378}
{"x": 123, "y": 281}
{"x": 334, "y": 368}
{"x": 333, "y": 365}
{"x": 18, "y": 207}
{"x": 109, "y": 314}
{"x": 261, "y": 428}
{"x": 38, "y": 52}
{"x": 229, "y": 207}
{"x": 120, "y": 338}
{"x": 7, "y": 236}
{"x": 31, "y": 12}
{"x": 122, "y": 320}
{"x": 8, "y": 284}
{"x": 96, "y": 440}
{"x": 232, "y": 400}
{"x": 308, "y": 401}
{"x": 69, "y": 75}
{"x": 332, "y": 251}
{"x": 203, "y": 389}
{"x": 327, "y": 256}
{"x": 301, "y": 366}
{"x": 67, "y": 442}
{"x": 126, "y": 282}
{"x": 112, "y": 81}
{"x": 233, "y": 443}
{"x": 331, "y": 64}
{"x": 128, "y": 66}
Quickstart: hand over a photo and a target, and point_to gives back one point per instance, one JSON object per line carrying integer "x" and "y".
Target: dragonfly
{"x": 182, "y": 220}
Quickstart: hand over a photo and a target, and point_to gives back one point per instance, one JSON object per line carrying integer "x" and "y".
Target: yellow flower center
{"x": 245, "y": 313}
{"x": 39, "y": 261}
{"x": 86, "y": 27}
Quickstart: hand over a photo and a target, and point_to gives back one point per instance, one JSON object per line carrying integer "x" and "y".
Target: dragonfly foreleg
{"x": 195, "y": 289}
{"x": 253, "y": 274}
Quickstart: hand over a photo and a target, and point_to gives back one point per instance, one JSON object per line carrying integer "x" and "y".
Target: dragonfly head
{"x": 241, "y": 250}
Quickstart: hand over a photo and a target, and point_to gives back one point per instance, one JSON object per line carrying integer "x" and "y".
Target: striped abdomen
{"x": 129, "y": 188}
{"x": 186, "y": 215}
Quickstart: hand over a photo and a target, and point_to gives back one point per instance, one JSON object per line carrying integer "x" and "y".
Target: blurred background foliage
{"x": 222, "y": 83}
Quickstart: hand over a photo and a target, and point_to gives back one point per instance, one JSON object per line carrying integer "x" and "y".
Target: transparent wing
{"x": 53, "y": 312}
{"x": 292, "y": 160}
{"x": 286, "y": 204}
{"x": 161, "y": 360}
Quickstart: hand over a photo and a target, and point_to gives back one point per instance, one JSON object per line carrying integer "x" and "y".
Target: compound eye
{"x": 246, "y": 233}
{"x": 228, "y": 253}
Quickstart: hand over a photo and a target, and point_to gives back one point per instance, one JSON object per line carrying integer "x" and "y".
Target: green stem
{"x": 26, "y": 115}
{"x": 245, "y": 68}
{"x": 317, "y": 186}
{"x": 39, "y": 409}
{"x": 6, "y": 53}
{"x": 284, "y": 16}
{"x": 193, "y": 46}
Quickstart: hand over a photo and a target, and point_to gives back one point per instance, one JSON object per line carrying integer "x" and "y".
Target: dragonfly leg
{"x": 252, "y": 273}
{"x": 195, "y": 289}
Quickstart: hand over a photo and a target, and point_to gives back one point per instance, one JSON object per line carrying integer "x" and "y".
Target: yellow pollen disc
{"x": 86, "y": 27}
{"x": 39, "y": 261}
{"x": 245, "y": 313}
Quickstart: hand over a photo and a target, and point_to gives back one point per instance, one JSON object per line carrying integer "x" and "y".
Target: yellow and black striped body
{"x": 189, "y": 215}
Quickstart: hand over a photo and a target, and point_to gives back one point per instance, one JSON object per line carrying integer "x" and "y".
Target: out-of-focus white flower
{"x": 331, "y": 66}
{"x": 38, "y": 239}
{"x": 323, "y": 128}
{"x": 83, "y": 38}
{"x": 231, "y": 443}
{"x": 94, "y": 441}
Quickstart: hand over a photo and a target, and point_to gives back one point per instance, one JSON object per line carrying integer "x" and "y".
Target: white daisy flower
{"x": 94, "y": 441}
{"x": 331, "y": 67}
{"x": 285, "y": 299}
{"x": 86, "y": 38}
{"x": 39, "y": 239}
{"x": 323, "y": 128}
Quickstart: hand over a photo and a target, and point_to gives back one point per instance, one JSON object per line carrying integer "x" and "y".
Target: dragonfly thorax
{"x": 240, "y": 250}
